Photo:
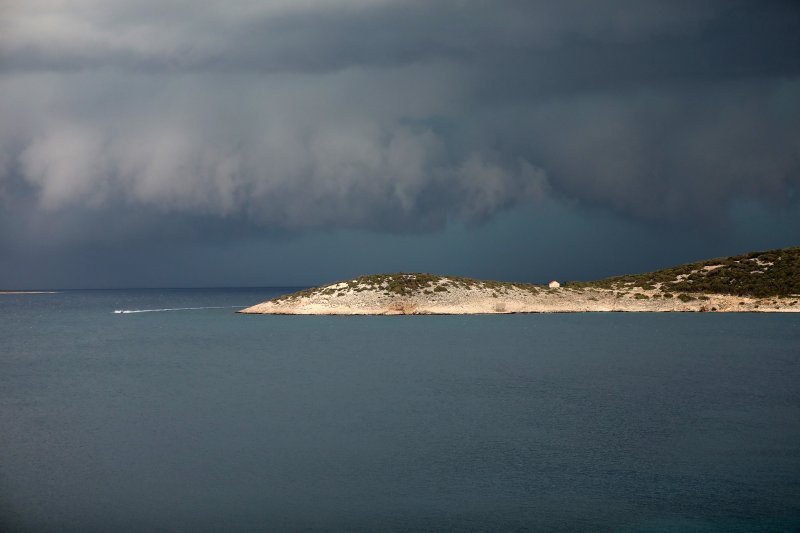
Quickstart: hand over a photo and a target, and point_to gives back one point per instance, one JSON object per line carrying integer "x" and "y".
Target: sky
{"x": 175, "y": 143}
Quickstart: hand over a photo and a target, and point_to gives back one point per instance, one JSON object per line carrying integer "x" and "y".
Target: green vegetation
{"x": 409, "y": 284}
{"x": 758, "y": 274}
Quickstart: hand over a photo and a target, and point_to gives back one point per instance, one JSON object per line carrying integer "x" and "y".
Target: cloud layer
{"x": 397, "y": 115}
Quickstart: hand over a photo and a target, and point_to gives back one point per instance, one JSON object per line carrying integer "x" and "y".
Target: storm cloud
{"x": 392, "y": 115}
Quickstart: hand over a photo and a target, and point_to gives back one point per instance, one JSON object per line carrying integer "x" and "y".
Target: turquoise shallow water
{"x": 204, "y": 420}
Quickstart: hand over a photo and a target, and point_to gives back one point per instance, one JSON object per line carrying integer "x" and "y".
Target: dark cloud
{"x": 323, "y": 36}
{"x": 390, "y": 115}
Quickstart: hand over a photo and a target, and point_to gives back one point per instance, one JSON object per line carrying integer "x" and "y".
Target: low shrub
{"x": 760, "y": 274}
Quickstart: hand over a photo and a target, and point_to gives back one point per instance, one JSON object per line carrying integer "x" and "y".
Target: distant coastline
{"x": 758, "y": 282}
{"x": 28, "y": 292}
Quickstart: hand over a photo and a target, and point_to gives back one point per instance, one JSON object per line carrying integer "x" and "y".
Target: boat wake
{"x": 129, "y": 311}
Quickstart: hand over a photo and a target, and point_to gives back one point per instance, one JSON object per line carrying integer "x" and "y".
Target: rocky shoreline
{"x": 447, "y": 296}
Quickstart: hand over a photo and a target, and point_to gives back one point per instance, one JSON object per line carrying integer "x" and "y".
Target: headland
{"x": 756, "y": 282}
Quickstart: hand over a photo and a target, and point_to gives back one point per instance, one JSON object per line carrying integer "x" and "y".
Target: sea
{"x": 164, "y": 410}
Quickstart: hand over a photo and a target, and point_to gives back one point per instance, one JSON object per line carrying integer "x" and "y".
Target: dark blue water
{"x": 205, "y": 420}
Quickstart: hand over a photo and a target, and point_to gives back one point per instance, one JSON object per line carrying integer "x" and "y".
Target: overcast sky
{"x": 291, "y": 142}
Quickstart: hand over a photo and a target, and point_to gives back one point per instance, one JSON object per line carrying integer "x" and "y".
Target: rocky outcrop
{"x": 419, "y": 294}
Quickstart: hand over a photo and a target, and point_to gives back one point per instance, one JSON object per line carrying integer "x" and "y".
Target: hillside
{"x": 759, "y": 282}
{"x": 758, "y": 274}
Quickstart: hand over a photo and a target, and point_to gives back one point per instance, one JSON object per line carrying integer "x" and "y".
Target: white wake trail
{"x": 129, "y": 311}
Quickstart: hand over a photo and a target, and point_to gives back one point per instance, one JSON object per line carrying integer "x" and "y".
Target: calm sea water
{"x": 204, "y": 420}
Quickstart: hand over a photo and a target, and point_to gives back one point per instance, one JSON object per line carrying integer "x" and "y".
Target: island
{"x": 760, "y": 282}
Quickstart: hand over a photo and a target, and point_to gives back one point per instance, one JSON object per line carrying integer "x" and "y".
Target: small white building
{"x": 554, "y": 284}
